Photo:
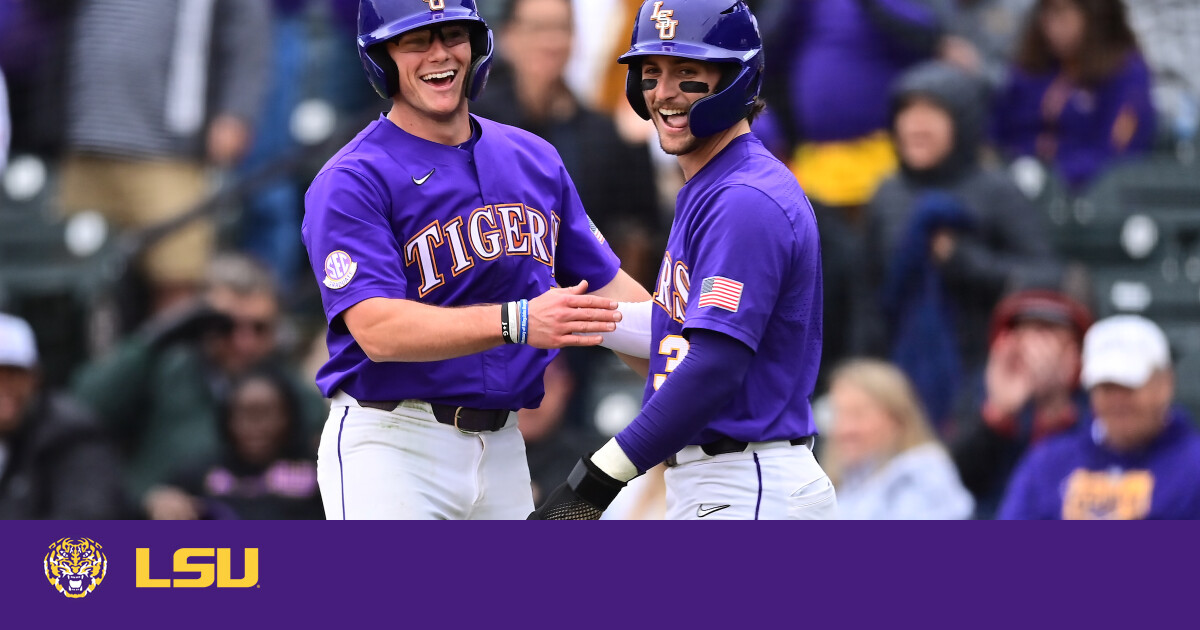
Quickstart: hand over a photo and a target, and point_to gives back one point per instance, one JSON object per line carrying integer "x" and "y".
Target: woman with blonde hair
{"x": 881, "y": 455}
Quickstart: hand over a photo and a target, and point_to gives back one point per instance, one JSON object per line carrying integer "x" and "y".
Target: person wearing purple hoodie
{"x": 1078, "y": 97}
{"x": 1141, "y": 457}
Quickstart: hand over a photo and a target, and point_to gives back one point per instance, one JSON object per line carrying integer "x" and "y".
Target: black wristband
{"x": 593, "y": 485}
{"x": 506, "y": 326}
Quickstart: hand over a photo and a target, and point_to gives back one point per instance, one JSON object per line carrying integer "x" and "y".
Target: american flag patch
{"x": 721, "y": 292}
{"x": 595, "y": 230}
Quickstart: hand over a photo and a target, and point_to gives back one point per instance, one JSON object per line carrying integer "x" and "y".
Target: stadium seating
{"x": 52, "y": 272}
{"x": 1137, "y": 230}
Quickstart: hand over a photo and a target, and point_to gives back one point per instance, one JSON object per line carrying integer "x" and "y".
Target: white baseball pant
{"x": 767, "y": 481}
{"x": 404, "y": 464}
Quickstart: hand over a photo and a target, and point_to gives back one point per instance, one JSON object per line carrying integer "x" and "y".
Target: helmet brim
{"x": 687, "y": 51}
{"x": 400, "y": 27}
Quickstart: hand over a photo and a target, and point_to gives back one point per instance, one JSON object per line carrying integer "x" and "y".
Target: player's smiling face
{"x": 669, "y": 104}
{"x": 432, "y": 67}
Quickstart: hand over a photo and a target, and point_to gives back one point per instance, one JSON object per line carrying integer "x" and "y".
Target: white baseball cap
{"x": 17, "y": 345}
{"x": 1123, "y": 349}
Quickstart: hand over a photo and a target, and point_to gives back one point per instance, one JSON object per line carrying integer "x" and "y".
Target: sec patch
{"x": 339, "y": 269}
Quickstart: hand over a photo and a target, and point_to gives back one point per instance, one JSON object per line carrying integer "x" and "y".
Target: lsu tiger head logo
{"x": 75, "y": 566}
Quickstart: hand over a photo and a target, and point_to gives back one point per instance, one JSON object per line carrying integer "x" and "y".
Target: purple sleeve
{"x": 1136, "y": 99}
{"x": 912, "y": 26}
{"x": 741, "y": 253}
{"x": 1023, "y": 498}
{"x": 706, "y": 380}
{"x": 1121, "y": 124}
{"x": 350, "y": 243}
{"x": 581, "y": 253}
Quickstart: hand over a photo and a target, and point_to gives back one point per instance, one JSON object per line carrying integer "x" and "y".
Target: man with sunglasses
{"x": 160, "y": 391}
{"x": 735, "y": 323}
{"x": 438, "y": 239}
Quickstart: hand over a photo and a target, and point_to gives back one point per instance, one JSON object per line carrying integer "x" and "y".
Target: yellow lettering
{"x": 143, "y": 572}
{"x": 223, "y": 568}
{"x": 205, "y": 571}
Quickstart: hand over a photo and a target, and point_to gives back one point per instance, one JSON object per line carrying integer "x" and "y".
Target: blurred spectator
{"x": 834, "y": 61}
{"x": 54, "y": 461}
{"x": 601, "y": 27}
{"x": 983, "y": 36}
{"x": 342, "y": 84}
{"x": 1141, "y": 457}
{"x": 155, "y": 91}
{"x": 552, "y": 446}
{"x": 160, "y": 391}
{"x": 609, "y": 91}
{"x": 5, "y": 124}
{"x": 527, "y": 89}
{"x": 1169, "y": 33}
{"x": 946, "y": 237}
{"x": 833, "y": 131}
{"x": 266, "y": 470}
{"x": 1030, "y": 390}
{"x": 33, "y": 56}
{"x": 881, "y": 455}
{"x": 1078, "y": 96}
{"x": 271, "y": 219}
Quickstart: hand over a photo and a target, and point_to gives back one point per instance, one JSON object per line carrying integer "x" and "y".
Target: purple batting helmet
{"x": 717, "y": 31}
{"x": 381, "y": 20}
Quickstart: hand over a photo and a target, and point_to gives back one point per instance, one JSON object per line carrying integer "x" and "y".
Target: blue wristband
{"x": 524, "y": 305}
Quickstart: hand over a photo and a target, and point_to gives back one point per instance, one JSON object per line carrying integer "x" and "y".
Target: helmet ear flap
{"x": 633, "y": 90}
{"x": 477, "y": 78}
{"x": 384, "y": 75}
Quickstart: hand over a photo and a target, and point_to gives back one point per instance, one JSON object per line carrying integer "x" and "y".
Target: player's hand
{"x": 556, "y": 315}
{"x": 584, "y": 497}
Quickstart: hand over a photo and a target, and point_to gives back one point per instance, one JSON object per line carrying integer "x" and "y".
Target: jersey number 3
{"x": 675, "y": 348}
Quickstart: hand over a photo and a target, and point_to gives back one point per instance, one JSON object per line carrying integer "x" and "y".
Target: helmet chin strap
{"x": 692, "y": 87}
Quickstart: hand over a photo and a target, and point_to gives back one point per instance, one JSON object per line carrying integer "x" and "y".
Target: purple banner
{"x": 618, "y": 575}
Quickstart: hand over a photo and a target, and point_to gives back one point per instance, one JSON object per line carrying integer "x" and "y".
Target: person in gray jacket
{"x": 946, "y": 237}
{"x": 157, "y": 93}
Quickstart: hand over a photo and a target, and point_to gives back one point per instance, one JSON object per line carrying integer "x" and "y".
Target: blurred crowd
{"x": 1007, "y": 192}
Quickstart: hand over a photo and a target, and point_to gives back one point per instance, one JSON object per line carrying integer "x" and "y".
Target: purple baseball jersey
{"x": 744, "y": 259}
{"x": 395, "y": 216}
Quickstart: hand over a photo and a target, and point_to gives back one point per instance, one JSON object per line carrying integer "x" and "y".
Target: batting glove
{"x": 584, "y": 497}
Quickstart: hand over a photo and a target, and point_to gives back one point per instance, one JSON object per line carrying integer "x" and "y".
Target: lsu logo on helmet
{"x": 663, "y": 22}
{"x": 75, "y": 566}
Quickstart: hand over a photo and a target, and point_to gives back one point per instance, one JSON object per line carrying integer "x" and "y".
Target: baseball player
{"x": 735, "y": 319}
{"x": 438, "y": 238}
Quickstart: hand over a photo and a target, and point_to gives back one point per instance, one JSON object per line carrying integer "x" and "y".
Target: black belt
{"x": 729, "y": 445}
{"x": 464, "y": 419}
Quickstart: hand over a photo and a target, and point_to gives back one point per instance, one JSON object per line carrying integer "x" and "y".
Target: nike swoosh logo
{"x": 424, "y": 179}
{"x": 703, "y": 510}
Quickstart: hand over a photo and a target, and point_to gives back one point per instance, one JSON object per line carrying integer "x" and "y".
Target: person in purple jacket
{"x": 1078, "y": 97}
{"x": 833, "y": 63}
{"x": 1141, "y": 458}
{"x": 439, "y": 239}
{"x": 734, "y": 329}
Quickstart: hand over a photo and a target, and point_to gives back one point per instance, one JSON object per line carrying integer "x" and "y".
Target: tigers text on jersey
{"x": 395, "y": 216}
{"x": 744, "y": 259}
